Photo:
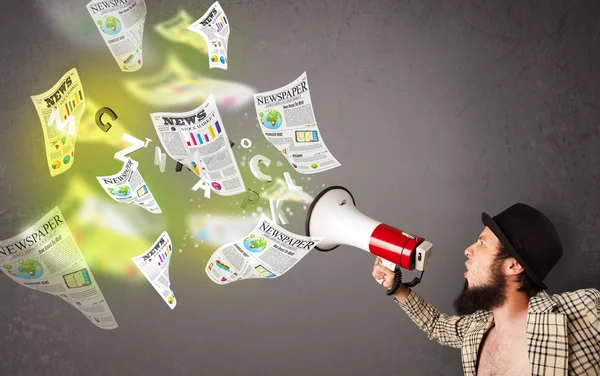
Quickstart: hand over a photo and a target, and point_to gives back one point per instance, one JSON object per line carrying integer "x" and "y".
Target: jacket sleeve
{"x": 447, "y": 330}
{"x": 593, "y": 315}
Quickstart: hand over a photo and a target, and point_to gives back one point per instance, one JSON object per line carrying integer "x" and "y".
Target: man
{"x": 507, "y": 324}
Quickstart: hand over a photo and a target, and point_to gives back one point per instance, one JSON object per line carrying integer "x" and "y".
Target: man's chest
{"x": 503, "y": 354}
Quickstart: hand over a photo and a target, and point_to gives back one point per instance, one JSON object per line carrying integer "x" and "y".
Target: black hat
{"x": 530, "y": 237}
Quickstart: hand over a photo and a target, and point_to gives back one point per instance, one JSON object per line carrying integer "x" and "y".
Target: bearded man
{"x": 506, "y": 323}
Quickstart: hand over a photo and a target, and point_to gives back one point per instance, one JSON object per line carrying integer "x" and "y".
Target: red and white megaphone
{"x": 334, "y": 216}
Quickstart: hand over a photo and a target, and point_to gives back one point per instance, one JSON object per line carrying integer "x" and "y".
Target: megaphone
{"x": 333, "y": 215}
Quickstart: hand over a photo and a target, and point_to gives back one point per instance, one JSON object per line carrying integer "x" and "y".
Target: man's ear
{"x": 513, "y": 267}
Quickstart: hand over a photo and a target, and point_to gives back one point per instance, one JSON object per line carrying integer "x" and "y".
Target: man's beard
{"x": 492, "y": 295}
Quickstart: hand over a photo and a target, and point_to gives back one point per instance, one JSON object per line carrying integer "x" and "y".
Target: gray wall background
{"x": 438, "y": 110}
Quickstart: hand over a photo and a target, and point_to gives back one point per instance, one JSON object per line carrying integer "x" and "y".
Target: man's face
{"x": 485, "y": 284}
{"x": 480, "y": 258}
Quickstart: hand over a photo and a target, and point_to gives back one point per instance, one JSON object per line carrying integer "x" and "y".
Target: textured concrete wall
{"x": 438, "y": 110}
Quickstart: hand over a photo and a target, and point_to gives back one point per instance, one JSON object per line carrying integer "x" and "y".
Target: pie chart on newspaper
{"x": 195, "y": 168}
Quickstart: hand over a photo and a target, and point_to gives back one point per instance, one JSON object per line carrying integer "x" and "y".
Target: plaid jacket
{"x": 563, "y": 331}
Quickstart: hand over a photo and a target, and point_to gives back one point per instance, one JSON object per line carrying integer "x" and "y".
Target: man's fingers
{"x": 378, "y": 275}
{"x": 382, "y": 269}
{"x": 382, "y": 273}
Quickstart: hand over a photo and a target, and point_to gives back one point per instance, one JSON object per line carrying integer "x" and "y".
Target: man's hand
{"x": 383, "y": 274}
{"x": 386, "y": 277}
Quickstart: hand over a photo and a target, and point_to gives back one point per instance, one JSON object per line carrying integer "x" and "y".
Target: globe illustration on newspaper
{"x": 122, "y": 191}
{"x": 25, "y": 268}
{"x": 255, "y": 243}
{"x": 271, "y": 119}
{"x": 110, "y": 25}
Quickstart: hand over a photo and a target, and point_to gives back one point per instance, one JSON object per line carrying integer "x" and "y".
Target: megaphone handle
{"x": 398, "y": 282}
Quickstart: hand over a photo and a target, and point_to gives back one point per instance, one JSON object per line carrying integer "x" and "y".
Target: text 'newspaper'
{"x": 121, "y": 24}
{"x": 46, "y": 258}
{"x": 267, "y": 252}
{"x": 287, "y": 120}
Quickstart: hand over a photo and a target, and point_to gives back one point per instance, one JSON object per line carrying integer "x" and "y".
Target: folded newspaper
{"x": 60, "y": 110}
{"x": 154, "y": 265}
{"x": 175, "y": 30}
{"x": 197, "y": 139}
{"x": 121, "y": 24}
{"x": 288, "y": 122}
{"x": 129, "y": 187}
{"x": 267, "y": 252}
{"x": 46, "y": 258}
{"x": 214, "y": 27}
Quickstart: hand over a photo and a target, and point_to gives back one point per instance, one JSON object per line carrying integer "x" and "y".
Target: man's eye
{"x": 481, "y": 243}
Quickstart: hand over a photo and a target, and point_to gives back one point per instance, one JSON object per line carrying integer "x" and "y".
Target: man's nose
{"x": 469, "y": 252}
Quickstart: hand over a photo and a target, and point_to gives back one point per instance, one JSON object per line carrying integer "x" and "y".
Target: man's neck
{"x": 513, "y": 313}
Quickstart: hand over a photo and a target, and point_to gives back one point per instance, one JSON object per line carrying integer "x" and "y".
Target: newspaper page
{"x": 60, "y": 110}
{"x": 176, "y": 85}
{"x": 175, "y": 29}
{"x": 129, "y": 187}
{"x": 197, "y": 139}
{"x": 267, "y": 252}
{"x": 46, "y": 258}
{"x": 154, "y": 265}
{"x": 121, "y": 24}
{"x": 288, "y": 122}
{"x": 214, "y": 27}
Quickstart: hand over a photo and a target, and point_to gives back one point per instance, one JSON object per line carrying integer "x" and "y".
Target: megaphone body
{"x": 334, "y": 216}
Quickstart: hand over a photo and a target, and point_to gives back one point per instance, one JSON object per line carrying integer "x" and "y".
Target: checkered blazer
{"x": 563, "y": 331}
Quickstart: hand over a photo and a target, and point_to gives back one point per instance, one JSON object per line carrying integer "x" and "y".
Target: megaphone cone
{"x": 333, "y": 215}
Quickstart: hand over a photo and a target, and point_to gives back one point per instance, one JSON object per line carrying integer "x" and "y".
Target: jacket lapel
{"x": 546, "y": 337}
{"x": 472, "y": 342}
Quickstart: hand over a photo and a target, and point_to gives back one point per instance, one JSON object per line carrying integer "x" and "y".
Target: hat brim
{"x": 489, "y": 222}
